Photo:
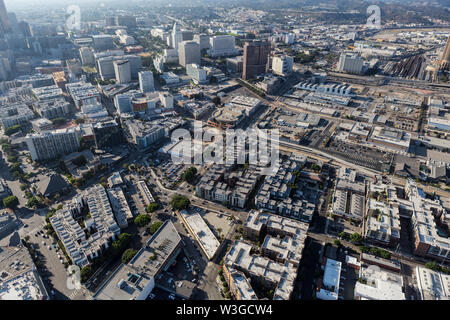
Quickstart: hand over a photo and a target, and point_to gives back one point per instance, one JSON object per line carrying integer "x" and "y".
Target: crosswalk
{"x": 80, "y": 294}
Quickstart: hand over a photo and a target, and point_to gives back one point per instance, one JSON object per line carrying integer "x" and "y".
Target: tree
{"x": 189, "y": 175}
{"x": 85, "y": 273}
{"x": 33, "y": 203}
{"x": 121, "y": 243}
{"x": 11, "y": 130}
{"x": 142, "y": 220}
{"x": 180, "y": 202}
{"x": 355, "y": 238}
{"x": 152, "y": 207}
{"x": 128, "y": 255}
{"x": 10, "y": 202}
{"x": 58, "y": 121}
{"x": 79, "y": 161}
{"x": 337, "y": 242}
{"x": 216, "y": 100}
{"x": 155, "y": 226}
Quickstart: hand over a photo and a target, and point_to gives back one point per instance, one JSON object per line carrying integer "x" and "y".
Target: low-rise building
{"x": 432, "y": 285}
{"x": 377, "y": 284}
{"x": 20, "y": 279}
{"x": 136, "y": 279}
{"x": 145, "y": 134}
{"x": 120, "y": 207}
{"x": 101, "y": 224}
{"x": 201, "y": 232}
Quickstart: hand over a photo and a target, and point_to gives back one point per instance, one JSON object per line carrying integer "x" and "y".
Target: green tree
{"x": 33, "y": 203}
{"x": 121, "y": 243}
{"x": 85, "y": 273}
{"x": 11, "y": 130}
{"x": 216, "y": 100}
{"x": 152, "y": 207}
{"x": 155, "y": 226}
{"x": 189, "y": 175}
{"x": 180, "y": 202}
{"x": 142, "y": 220}
{"x": 128, "y": 255}
{"x": 10, "y": 202}
{"x": 355, "y": 238}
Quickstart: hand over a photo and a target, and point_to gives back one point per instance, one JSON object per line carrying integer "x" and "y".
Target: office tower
{"x": 177, "y": 37}
{"x": 13, "y": 23}
{"x": 105, "y": 65}
{"x": 126, "y": 21}
{"x": 122, "y": 102}
{"x": 445, "y": 61}
{"x": 110, "y": 21}
{"x": 25, "y": 28}
{"x": 282, "y": 65}
{"x": 146, "y": 81}
{"x": 4, "y": 19}
{"x": 187, "y": 35}
{"x": 256, "y": 56}
{"x": 222, "y": 46}
{"x": 350, "y": 63}
{"x": 52, "y": 144}
{"x": 122, "y": 70}
{"x": 107, "y": 134}
{"x": 189, "y": 52}
{"x": 203, "y": 41}
{"x": 103, "y": 42}
{"x": 87, "y": 56}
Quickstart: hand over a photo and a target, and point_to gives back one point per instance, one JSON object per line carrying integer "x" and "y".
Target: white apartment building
{"x": 350, "y": 64}
{"x": 197, "y": 73}
{"x": 282, "y": 65}
{"x": 52, "y": 144}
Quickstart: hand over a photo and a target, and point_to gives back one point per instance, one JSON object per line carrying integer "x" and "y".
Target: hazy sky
{"x": 12, "y": 5}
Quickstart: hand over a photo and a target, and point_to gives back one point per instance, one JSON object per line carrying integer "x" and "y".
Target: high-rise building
{"x": 52, "y": 144}
{"x": 107, "y": 134}
{"x": 122, "y": 71}
{"x": 177, "y": 37}
{"x": 4, "y": 19}
{"x": 146, "y": 81}
{"x": 126, "y": 21}
{"x": 187, "y": 35}
{"x": 350, "y": 64}
{"x": 122, "y": 102}
{"x": 256, "y": 56}
{"x": 197, "y": 73}
{"x": 203, "y": 40}
{"x": 87, "y": 56}
{"x": 103, "y": 42}
{"x": 282, "y": 65}
{"x": 445, "y": 61}
{"x": 110, "y": 21}
{"x": 222, "y": 46}
{"x": 189, "y": 52}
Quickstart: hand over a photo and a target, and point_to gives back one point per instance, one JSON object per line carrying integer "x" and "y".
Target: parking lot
{"x": 221, "y": 224}
{"x": 171, "y": 172}
{"x": 360, "y": 155}
{"x": 54, "y": 274}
